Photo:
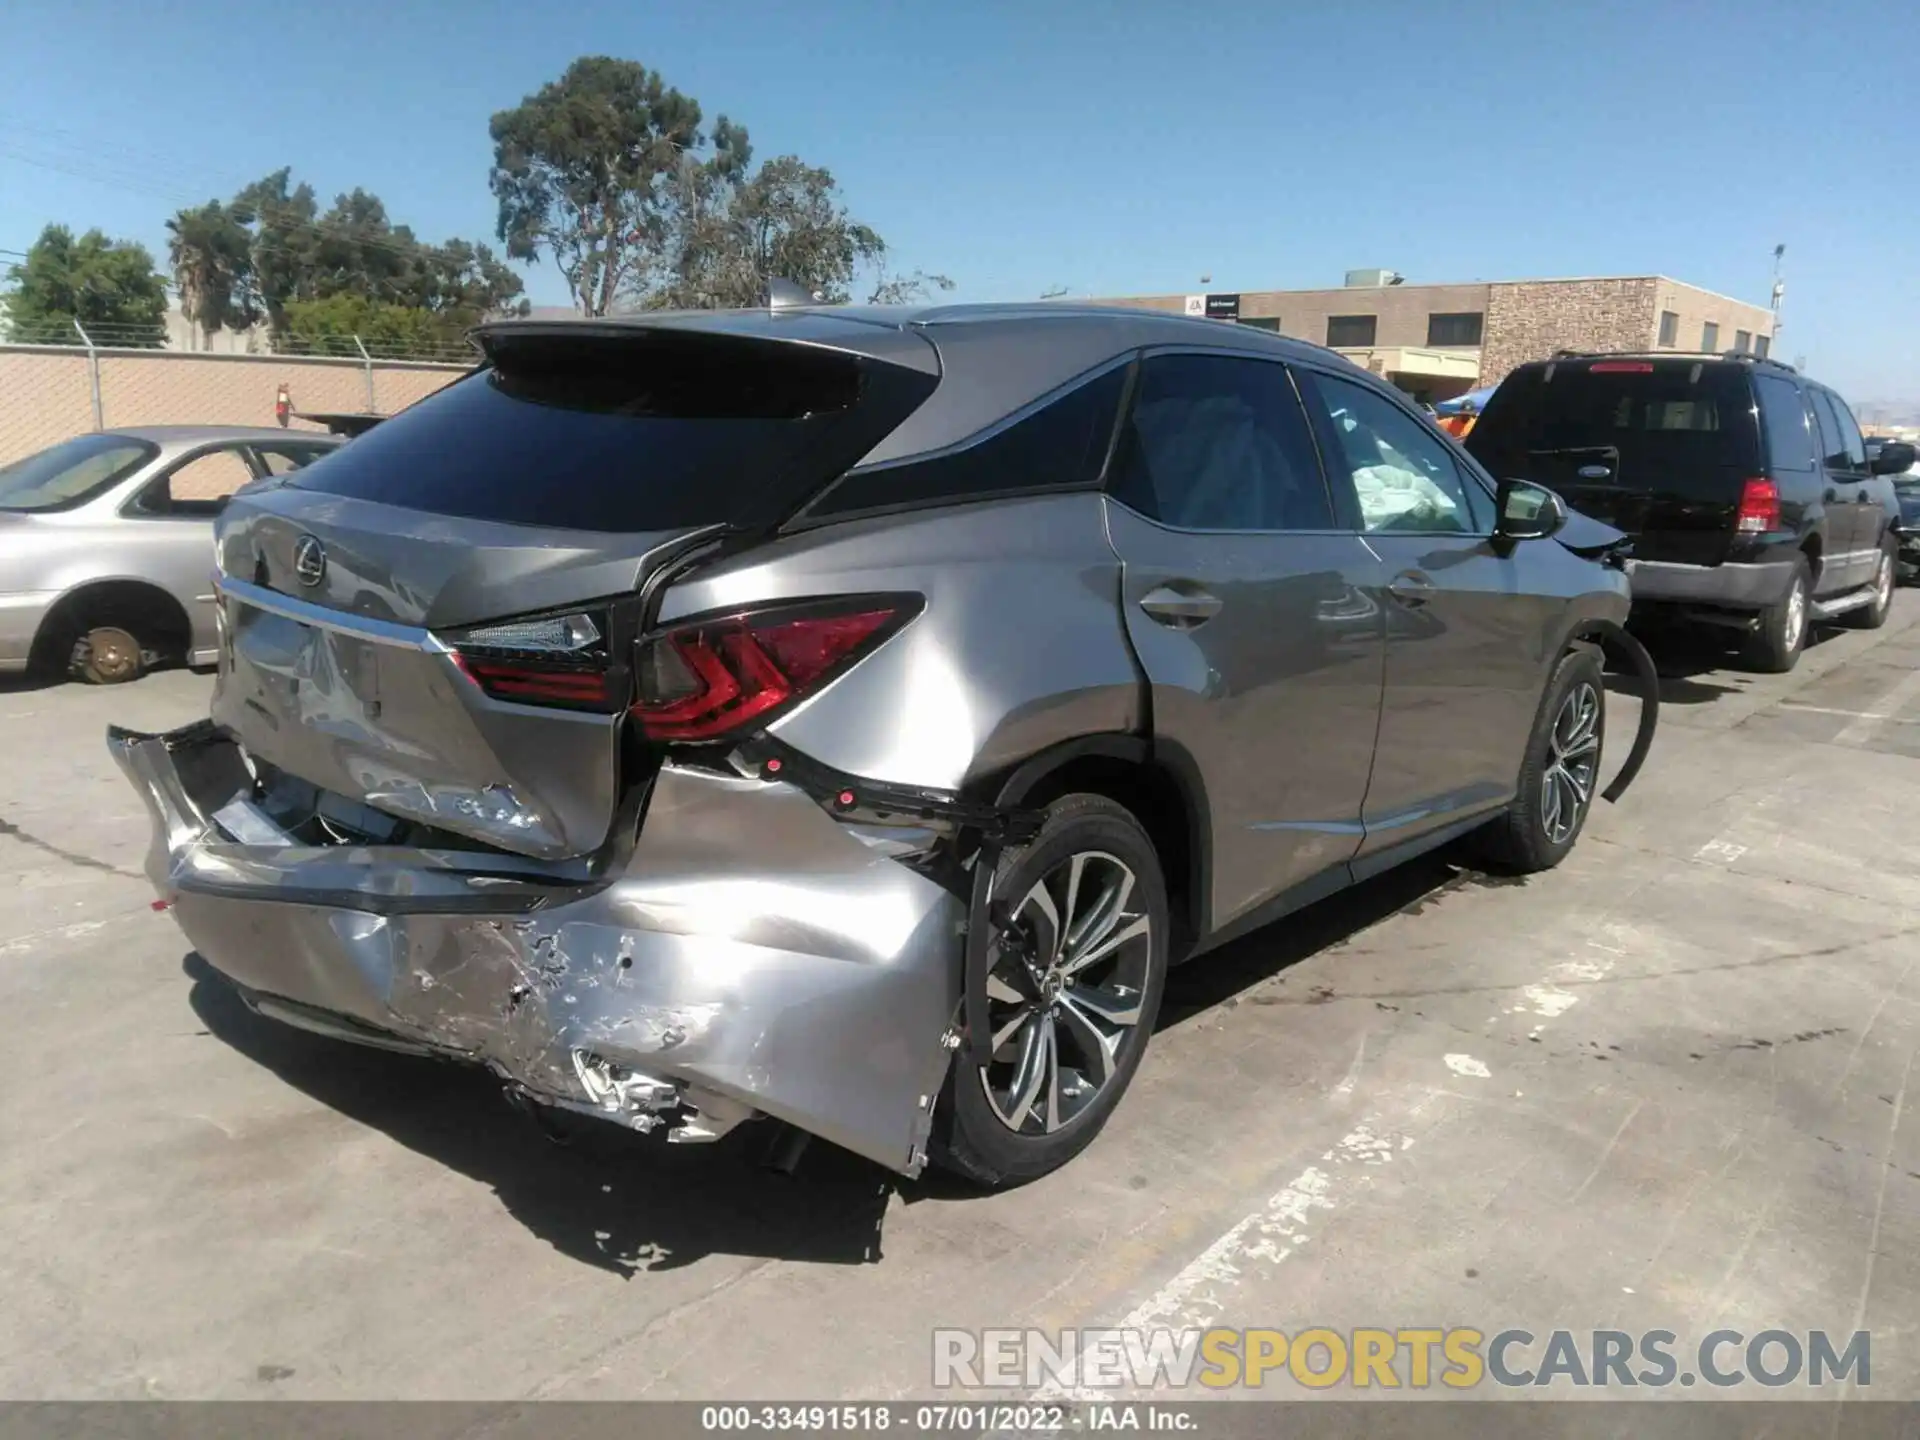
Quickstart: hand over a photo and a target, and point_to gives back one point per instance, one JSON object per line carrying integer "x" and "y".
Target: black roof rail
{"x": 1744, "y": 355}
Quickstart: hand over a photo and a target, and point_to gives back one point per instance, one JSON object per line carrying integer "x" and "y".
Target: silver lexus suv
{"x": 844, "y": 717}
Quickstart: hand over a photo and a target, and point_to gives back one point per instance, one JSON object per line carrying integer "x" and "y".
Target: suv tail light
{"x": 1759, "y": 508}
{"x": 549, "y": 660}
{"x": 708, "y": 678}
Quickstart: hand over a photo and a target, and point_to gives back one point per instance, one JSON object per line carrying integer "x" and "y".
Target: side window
{"x": 200, "y": 486}
{"x": 1218, "y": 443}
{"x": 1061, "y": 444}
{"x": 1404, "y": 477}
{"x": 1783, "y": 419}
{"x": 285, "y": 459}
{"x": 1833, "y": 445}
{"x": 1856, "y": 447}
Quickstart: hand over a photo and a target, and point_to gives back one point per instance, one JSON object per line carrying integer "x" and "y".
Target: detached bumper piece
{"x": 750, "y": 954}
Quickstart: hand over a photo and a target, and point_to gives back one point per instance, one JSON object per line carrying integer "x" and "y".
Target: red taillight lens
{"x": 705, "y": 680}
{"x": 1759, "y": 508}
{"x": 549, "y": 660}
{"x": 1620, "y": 367}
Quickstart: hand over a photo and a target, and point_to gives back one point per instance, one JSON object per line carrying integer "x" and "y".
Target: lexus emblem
{"x": 309, "y": 560}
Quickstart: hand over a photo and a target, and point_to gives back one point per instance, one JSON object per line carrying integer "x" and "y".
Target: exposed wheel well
{"x": 1158, "y": 800}
{"x": 148, "y": 613}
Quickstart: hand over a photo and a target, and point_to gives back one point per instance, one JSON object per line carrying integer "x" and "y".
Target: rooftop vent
{"x": 1373, "y": 279}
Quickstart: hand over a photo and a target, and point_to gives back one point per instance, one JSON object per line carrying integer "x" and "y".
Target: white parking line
{"x": 1861, "y": 731}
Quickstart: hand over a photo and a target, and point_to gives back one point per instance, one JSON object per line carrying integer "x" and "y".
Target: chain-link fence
{"x": 57, "y": 381}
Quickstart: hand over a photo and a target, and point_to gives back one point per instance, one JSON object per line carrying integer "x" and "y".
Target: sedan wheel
{"x": 1064, "y": 997}
{"x": 109, "y": 656}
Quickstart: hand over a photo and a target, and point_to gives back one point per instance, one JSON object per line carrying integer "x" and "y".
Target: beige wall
{"x": 1695, "y": 307}
{"x": 46, "y": 391}
{"x": 1402, "y": 309}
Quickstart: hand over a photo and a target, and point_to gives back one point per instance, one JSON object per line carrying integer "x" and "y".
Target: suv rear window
{"x": 1657, "y": 414}
{"x": 628, "y": 431}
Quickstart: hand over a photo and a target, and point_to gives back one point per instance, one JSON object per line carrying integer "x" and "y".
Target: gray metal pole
{"x": 93, "y": 367}
{"x": 368, "y": 372}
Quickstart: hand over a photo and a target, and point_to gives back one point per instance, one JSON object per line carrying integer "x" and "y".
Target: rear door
{"x": 1657, "y": 448}
{"x": 438, "y": 621}
{"x": 1253, "y": 610}
{"x": 1853, "y": 518}
{"x": 1464, "y": 623}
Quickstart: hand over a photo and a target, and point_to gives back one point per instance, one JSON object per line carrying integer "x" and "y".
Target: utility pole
{"x": 1779, "y": 289}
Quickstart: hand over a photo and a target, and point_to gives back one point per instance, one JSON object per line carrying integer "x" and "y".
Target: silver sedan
{"x": 106, "y": 543}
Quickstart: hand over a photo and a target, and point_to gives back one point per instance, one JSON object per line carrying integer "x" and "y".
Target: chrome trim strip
{"x": 364, "y": 627}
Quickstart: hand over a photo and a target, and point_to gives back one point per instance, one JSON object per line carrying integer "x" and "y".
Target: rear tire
{"x": 1775, "y": 647}
{"x": 1872, "y": 617}
{"x": 1073, "y": 1029}
{"x": 1559, "y": 776}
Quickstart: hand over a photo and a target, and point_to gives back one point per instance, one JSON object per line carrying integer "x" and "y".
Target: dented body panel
{"x": 754, "y": 955}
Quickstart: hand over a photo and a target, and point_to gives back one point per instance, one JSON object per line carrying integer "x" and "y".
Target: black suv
{"x": 1746, "y": 487}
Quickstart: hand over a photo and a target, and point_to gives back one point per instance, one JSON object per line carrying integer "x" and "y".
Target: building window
{"x": 1709, "y": 337}
{"x": 1669, "y": 328}
{"x": 1742, "y": 342}
{"x": 1350, "y": 332}
{"x": 1761, "y": 345}
{"x": 1455, "y": 329}
{"x": 1270, "y": 323}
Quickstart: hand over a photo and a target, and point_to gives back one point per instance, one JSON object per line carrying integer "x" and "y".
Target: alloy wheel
{"x": 1064, "y": 992}
{"x": 1883, "y": 582}
{"x": 1573, "y": 763}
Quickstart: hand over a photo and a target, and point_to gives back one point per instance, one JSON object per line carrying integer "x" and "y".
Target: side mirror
{"x": 1528, "y": 511}
{"x": 1895, "y": 457}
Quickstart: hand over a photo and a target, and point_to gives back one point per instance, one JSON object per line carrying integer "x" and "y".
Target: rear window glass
{"x": 72, "y": 472}
{"x": 648, "y": 431}
{"x": 1783, "y": 415}
{"x": 1680, "y": 414}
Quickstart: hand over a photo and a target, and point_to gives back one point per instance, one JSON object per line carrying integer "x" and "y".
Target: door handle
{"x": 1410, "y": 587}
{"x": 1181, "y": 608}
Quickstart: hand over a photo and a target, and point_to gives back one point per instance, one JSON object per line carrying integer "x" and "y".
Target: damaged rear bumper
{"x": 752, "y": 955}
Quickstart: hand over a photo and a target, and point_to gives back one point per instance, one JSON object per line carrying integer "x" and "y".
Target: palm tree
{"x": 211, "y": 252}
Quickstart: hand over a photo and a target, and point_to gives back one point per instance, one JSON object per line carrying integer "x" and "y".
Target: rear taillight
{"x": 708, "y": 678}
{"x": 1759, "y": 508}
{"x": 550, "y": 660}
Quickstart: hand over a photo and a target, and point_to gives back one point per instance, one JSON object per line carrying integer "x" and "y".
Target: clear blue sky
{"x": 1113, "y": 146}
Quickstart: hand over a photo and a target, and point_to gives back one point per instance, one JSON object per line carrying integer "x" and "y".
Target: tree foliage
{"x": 271, "y": 251}
{"x": 109, "y": 286}
{"x": 608, "y": 171}
{"x": 582, "y": 171}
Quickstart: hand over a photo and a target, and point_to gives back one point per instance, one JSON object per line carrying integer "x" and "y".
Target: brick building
{"x": 1438, "y": 341}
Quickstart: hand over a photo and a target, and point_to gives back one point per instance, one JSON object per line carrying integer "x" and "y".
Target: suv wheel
{"x": 1873, "y": 616}
{"x": 1775, "y": 647}
{"x": 1077, "y": 971}
{"x": 1561, "y": 773}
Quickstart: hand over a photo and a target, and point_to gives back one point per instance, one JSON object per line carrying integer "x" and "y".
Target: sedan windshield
{"x": 72, "y": 472}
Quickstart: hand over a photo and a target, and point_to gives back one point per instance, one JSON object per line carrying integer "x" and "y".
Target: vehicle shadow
{"x": 1699, "y": 665}
{"x": 1220, "y": 976}
{"x": 618, "y": 1201}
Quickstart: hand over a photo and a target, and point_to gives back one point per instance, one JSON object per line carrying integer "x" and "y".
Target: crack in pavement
{"x": 11, "y": 831}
